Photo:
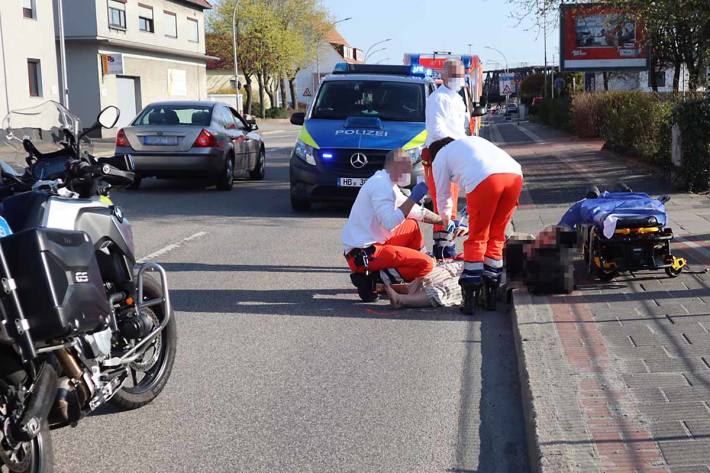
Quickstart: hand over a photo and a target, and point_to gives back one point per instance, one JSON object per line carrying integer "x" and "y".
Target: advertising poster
{"x": 596, "y": 37}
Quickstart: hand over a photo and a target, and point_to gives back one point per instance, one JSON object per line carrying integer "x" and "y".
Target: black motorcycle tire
{"x": 127, "y": 398}
{"x": 42, "y": 456}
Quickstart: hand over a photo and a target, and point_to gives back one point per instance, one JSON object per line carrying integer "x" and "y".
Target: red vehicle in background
{"x": 433, "y": 64}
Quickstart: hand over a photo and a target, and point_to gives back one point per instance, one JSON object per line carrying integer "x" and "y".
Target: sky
{"x": 444, "y": 25}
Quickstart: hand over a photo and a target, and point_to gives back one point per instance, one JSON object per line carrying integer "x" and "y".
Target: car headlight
{"x": 415, "y": 154}
{"x": 305, "y": 152}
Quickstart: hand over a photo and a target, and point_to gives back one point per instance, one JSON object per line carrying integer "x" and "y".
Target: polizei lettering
{"x": 361, "y": 132}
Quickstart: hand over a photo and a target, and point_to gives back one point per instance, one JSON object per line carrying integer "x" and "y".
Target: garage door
{"x": 128, "y": 89}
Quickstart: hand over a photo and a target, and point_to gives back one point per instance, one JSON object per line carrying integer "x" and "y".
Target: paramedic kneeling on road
{"x": 493, "y": 181}
{"x": 382, "y": 232}
{"x": 446, "y": 118}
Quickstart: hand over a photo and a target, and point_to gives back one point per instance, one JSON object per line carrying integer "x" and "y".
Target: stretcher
{"x": 623, "y": 231}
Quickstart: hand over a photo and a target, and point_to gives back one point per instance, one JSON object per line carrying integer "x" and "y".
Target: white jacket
{"x": 468, "y": 162}
{"x": 445, "y": 115}
{"x": 375, "y": 213}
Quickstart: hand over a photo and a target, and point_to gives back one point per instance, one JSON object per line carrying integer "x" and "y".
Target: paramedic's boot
{"x": 471, "y": 285}
{"x": 444, "y": 246}
{"x": 366, "y": 285}
{"x": 491, "y": 282}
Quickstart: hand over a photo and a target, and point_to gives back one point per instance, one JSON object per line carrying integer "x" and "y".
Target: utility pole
{"x": 64, "y": 97}
{"x": 544, "y": 34}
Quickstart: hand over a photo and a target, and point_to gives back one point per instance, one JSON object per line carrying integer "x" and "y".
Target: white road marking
{"x": 531, "y": 134}
{"x": 699, "y": 248}
{"x": 171, "y": 247}
{"x": 495, "y": 135}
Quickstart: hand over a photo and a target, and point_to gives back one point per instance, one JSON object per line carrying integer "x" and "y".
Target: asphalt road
{"x": 281, "y": 369}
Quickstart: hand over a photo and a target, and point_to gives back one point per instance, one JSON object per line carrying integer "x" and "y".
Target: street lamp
{"x": 470, "y": 49}
{"x": 367, "y": 52}
{"x": 234, "y": 44}
{"x": 382, "y": 60}
{"x": 340, "y": 21}
{"x": 503, "y": 55}
{"x": 374, "y": 52}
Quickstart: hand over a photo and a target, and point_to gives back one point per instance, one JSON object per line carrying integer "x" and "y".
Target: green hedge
{"x": 556, "y": 112}
{"x": 640, "y": 124}
{"x": 693, "y": 118}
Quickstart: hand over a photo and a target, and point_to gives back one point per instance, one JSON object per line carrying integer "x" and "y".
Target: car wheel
{"x": 260, "y": 169}
{"x": 300, "y": 204}
{"x": 226, "y": 181}
{"x": 136, "y": 182}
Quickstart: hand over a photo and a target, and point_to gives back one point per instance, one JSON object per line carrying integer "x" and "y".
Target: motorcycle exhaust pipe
{"x": 73, "y": 370}
{"x": 38, "y": 407}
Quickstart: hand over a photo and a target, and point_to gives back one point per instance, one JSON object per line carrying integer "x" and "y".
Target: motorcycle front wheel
{"x": 150, "y": 373}
{"x": 34, "y": 456}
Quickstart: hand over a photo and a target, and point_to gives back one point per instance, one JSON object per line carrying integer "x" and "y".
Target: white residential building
{"x": 28, "y": 63}
{"x": 130, "y": 53}
{"x": 331, "y": 51}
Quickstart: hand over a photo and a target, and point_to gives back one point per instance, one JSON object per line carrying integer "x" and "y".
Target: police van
{"x": 359, "y": 113}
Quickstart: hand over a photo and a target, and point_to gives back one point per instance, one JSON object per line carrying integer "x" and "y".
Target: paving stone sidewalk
{"x": 615, "y": 376}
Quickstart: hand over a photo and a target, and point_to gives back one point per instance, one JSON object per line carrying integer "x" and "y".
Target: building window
{"x": 28, "y": 8}
{"x": 170, "y": 24}
{"x": 193, "y": 30}
{"x": 34, "y": 72}
{"x": 117, "y": 14}
{"x": 145, "y": 19}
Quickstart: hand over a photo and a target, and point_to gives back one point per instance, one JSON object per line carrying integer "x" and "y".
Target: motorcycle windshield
{"x": 46, "y": 125}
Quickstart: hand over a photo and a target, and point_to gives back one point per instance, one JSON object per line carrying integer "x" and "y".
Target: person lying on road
{"x": 382, "y": 232}
{"x": 439, "y": 288}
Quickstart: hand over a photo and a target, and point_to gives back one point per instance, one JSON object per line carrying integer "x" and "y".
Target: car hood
{"x": 362, "y": 133}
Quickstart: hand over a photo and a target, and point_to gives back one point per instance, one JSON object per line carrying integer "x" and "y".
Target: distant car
{"x": 193, "y": 139}
{"x": 510, "y": 110}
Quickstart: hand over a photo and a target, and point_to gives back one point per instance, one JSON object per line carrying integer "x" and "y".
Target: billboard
{"x": 595, "y": 37}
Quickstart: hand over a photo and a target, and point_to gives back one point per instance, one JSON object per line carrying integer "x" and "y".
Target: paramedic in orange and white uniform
{"x": 492, "y": 180}
{"x": 446, "y": 120}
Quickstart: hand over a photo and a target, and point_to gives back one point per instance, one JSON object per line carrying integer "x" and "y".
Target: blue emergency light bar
{"x": 384, "y": 69}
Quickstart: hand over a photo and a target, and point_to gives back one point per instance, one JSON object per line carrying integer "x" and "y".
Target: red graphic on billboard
{"x": 595, "y": 37}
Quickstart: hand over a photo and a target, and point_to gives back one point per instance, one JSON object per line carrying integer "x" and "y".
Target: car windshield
{"x": 187, "y": 115}
{"x": 387, "y": 100}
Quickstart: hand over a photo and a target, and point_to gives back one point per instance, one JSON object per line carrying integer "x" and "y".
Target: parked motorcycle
{"x": 81, "y": 322}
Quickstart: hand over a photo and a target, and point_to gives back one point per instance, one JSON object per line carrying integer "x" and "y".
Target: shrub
{"x": 556, "y": 112}
{"x": 693, "y": 118}
{"x": 632, "y": 122}
{"x": 587, "y": 111}
{"x": 276, "y": 112}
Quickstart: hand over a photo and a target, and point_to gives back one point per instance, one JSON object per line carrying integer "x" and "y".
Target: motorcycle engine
{"x": 136, "y": 326}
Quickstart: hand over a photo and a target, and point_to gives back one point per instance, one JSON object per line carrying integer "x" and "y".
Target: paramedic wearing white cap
{"x": 492, "y": 180}
{"x": 446, "y": 119}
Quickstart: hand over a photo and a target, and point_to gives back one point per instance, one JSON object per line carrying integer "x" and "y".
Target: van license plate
{"x": 351, "y": 181}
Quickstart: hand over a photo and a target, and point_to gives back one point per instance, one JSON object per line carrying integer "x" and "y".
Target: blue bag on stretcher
{"x": 609, "y": 207}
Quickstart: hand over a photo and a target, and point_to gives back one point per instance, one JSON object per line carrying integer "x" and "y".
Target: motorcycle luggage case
{"x": 58, "y": 281}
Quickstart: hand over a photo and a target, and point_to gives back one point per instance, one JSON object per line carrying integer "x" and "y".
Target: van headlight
{"x": 305, "y": 152}
{"x": 415, "y": 154}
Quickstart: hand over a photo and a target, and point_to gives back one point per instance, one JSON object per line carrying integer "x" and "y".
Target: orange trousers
{"x": 401, "y": 252}
{"x": 490, "y": 207}
{"x": 429, "y": 177}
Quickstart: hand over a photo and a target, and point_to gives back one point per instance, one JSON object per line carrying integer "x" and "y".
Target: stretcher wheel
{"x": 673, "y": 273}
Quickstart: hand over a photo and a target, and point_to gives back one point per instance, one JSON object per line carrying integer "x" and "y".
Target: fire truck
{"x": 433, "y": 63}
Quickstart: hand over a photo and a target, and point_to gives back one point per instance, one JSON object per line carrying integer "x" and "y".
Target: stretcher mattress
{"x": 610, "y": 207}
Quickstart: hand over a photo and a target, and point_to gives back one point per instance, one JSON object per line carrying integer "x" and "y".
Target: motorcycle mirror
{"x": 108, "y": 117}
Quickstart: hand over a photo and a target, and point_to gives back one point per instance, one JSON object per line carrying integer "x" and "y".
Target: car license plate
{"x": 160, "y": 140}
{"x": 351, "y": 181}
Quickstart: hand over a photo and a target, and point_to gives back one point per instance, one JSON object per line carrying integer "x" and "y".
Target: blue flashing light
{"x": 341, "y": 67}
{"x": 326, "y": 155}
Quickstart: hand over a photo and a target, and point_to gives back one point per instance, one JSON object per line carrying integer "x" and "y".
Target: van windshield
{"x": 387, "y": 100}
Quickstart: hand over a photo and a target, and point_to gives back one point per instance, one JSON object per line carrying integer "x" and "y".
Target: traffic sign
{"x": 507, "y": 84}
{"x": 307, "y": 93}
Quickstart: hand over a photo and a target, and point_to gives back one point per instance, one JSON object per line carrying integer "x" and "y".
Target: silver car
{"x": 193, "y": 139}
